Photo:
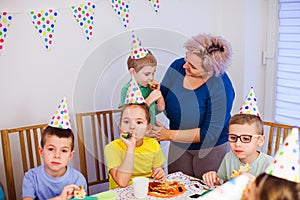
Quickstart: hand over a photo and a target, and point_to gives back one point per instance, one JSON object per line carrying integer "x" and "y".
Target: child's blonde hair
{"x": 138, "y": 64}
{"x": 248, "y": 119}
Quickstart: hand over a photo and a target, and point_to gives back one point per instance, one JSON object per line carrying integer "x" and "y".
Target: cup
{"x": 140, "y": 187}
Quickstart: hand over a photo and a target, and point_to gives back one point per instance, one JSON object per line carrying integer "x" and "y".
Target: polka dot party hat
{"x": 61, "y": 118}
{"x": 155, "y": 5}
{"x": 5, "y": 20}
{"x": 137, "y": 51}
{"x": 287, "y": 159}
{"x": 231, "y": 190}
{"x": 134, "y": 94}
{"x": 250, "y": 104}
{"x": 44, "y": 22}
{"x": 84, "y": 15}
{"x": 121, "y": 7}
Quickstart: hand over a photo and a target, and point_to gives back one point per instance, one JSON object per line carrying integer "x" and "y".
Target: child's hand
{"x": 211, "y": 178}
{"x": 153, "y": 96}
{"x": 130, "y": 142}
{"x": 67, "y": 192}
{"x": 158, "y": 174}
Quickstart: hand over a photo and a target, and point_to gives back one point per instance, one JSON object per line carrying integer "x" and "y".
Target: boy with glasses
{"x": 245, "y": 136}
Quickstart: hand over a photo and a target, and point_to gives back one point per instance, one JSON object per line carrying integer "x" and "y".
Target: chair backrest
{"x": 20, "y": 142}
{"x": 95, "y": 130}
{"x": 277, "y": 133}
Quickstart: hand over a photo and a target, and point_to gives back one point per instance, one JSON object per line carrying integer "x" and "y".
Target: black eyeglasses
{"x": 243, "y": 138}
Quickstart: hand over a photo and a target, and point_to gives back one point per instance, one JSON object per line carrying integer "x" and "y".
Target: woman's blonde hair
{"x": 215, "y": 51}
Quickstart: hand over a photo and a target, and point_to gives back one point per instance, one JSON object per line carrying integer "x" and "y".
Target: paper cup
{"x": 140, "y": 187}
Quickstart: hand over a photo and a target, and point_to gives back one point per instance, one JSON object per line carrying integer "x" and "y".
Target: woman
{"x": 199, "y": 96}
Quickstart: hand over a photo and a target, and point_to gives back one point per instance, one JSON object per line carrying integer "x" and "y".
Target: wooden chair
{"x": 20, "y": 142}
{"x": 95, "y": 130}
{"x": 276, "y": 134}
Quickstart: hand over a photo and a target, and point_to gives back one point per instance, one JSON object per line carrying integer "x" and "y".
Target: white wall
{"x": 32, "y": 80}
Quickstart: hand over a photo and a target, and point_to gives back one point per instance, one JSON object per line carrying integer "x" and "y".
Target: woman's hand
{"x": 159, "y": 132}
{"x": 211, "y": 178}
{"x": 158, "y": 174}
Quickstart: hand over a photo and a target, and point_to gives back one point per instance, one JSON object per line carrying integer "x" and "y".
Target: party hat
{"x": 61, "y": 117}
{"x": 250, "y": 104}
{"x": 137, "y": 51}
{"x": 287, "y": 159}
{"x": 231, "y": 190}
{"x": 134, "y": 94}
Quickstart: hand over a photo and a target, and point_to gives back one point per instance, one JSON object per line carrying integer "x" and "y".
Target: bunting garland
{"x": 84, "y": 15}
{"x": 5, "y": 20}
{"x": 121, "y": 7}
{"x": 44, "y": 22}
{"x": 155, "y": 5}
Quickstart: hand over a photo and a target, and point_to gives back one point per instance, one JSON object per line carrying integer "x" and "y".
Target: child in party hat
{"x": 245, "y": 136}
{"x": 281, "y": 179}
{"x": 133, "y": 154}
{"x": 54, "y": 179}
{"x": 142, "y": 65}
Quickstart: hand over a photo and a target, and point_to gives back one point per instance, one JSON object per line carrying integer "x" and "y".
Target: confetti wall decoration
{"x": 121, "y": 7}
{"x": 44, "y": 22}
{"x": 155, "y": 5}
{"x": 84, "y": 15}
{"x": 5, "y": 20}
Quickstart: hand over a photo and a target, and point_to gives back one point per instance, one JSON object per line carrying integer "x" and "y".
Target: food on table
{"x": 153, "y": 85}
{"x": 126, "y": 135}
{"x": 165, "y": 189}
{"x": 243, "y": 169}
{"x": 80, "y": 194}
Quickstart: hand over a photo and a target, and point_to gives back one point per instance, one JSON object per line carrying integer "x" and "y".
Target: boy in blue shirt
{"x": 54, "y": 179}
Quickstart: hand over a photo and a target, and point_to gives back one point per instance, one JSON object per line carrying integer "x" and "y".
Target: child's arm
{"x": 160, "y": 104}
{"x": 211, "y": 178}
{"x": 158, "y": 174}
{"x": 122, "y": 174}
{"x": 66, "y": 193}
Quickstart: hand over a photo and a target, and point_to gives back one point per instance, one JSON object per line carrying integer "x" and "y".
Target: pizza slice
{"x": 243, "y": 169}
{"x": 80, "y": 194}
{"x": 165, "y": 189}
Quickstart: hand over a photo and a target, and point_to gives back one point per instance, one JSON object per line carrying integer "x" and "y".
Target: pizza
{"x": 165, "y": 189}
{"x": 80, "y": 194}
{"x": 243, "y": 169}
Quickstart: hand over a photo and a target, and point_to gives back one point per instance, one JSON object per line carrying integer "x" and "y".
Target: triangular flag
{"x": 134, "y": 94}
{"x": 84, "y": 15}
{"x": 61, "y": 118}
{"x": 5, "y": 20}
{"x": 287, "y": 159}
{"x": 121, "y": 7}
{"x": 44, "y": 22}
{"x": 250, "y": 104}
{"x": 137, "y": 51}
{"x": 155, "y": 5}
{"x": 231, "y": 190}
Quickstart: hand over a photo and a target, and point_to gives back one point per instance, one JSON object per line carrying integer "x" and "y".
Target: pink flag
{"x": 84, "y": 15}
{"x": 5, "y": 20}
{"x": 121, "y": 7}
{"x": 44, "y": 22}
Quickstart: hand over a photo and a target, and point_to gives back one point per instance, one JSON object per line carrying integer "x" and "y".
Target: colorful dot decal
{"x": 121, "y": 7}
{"x": 44, "y": 22}
{"x": 5, "y": 20}
{"x": 155, "y": 5}
{"x": 84, "y": 15}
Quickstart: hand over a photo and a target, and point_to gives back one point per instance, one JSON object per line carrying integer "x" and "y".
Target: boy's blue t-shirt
{"x": 37, "y": 184}
{"x": 1, "y": 193}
